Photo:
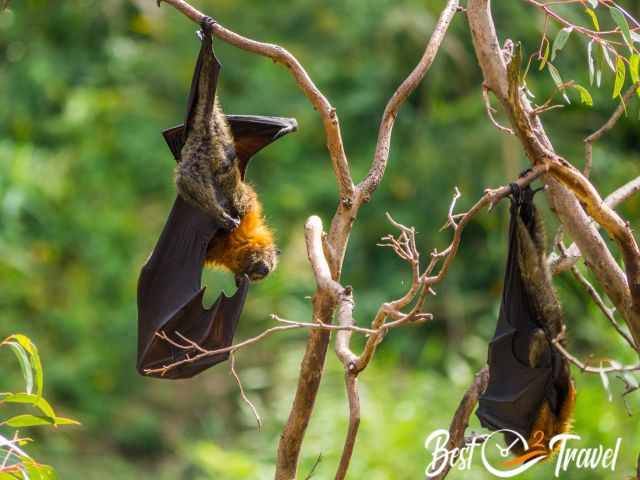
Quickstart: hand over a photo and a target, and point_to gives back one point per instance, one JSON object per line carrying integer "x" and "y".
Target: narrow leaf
{"x": 545, "y": 57}
{"x": 621, "y": 73}
{"x": 65, "y": 421}
{"x": 557, "y": 79}
{"x": 31, "y": 399}
{"x": 634, "y": 69}
{"x": 606, "y": 385}
{"x": 621, "y": 21}
{"x": 36, "y": 364}
{"x": 607, "y": 57}
{"x": 592, "y": 63}
{"x": 585, "y": 96}
{"x": 25, "y": 364}
{"x": 594, "y": 18}
{"x": 21, "y": 421}
{"x": 560, "y": 41}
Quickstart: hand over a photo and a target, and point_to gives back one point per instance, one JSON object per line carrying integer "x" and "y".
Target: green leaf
{"x": 621, "y": 21}
{"x": 25, "y": 364}
{"x": 560, "y": 41}
{"x": 31, "y": 399}
{"x": 585, "y": 96}
{"x": 621, "y": 73}
{"x": 38, "y": 471}
{"x": 65, "y": 421}
{"x": 591, "y": 62}
{"x": 28, "y": 345}
{"x": 557, "y": 79}
{"x": 21, "y": 421}
{"x": 594, "y": 18}
{"x": 607, "y": 57}
{"x": 545, "y": 57}
{"x": 634, "y": 69}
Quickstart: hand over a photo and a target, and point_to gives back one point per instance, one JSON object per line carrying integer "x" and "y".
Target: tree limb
{"x": 565, "y": 181}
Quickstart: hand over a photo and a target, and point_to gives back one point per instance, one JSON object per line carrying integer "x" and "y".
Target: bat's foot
{"x": 228, "y": 222}
{"x": 207, "y": 24}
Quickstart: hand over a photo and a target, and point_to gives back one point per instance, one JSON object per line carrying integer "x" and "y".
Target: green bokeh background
{"x": 86, "y": 86}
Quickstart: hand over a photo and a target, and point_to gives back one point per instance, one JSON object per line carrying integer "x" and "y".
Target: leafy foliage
{"x": 15, "y": 462}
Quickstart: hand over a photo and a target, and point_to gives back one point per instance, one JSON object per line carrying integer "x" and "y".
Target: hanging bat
{"x": 530, "y": 389}
{"x": 216, "y": 220}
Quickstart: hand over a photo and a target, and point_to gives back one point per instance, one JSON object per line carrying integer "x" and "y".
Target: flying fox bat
{"x": 530, "y": 389}
{"x": 216, "y": 219}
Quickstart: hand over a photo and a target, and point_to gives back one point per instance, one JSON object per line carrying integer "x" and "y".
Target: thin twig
{"x": 242, "y": 394}
{"x": 586, "y": 368}
{"x": 314, "y": 468}
{"x": 608, "y": 125}
{"x": 491, "y": 111}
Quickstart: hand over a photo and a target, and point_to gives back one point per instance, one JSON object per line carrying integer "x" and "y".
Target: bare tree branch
{"x": 563, "y": 263}
{"x": 372, "y": 180}
{"x": 566, "y": 184}
{"x": 304, "y": 82}
{"x": 460, "y": 420}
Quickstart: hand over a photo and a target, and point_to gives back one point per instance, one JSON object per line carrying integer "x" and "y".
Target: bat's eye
{"x": 278, "y": 252}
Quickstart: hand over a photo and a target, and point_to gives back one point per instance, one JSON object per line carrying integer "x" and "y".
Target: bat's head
{"x": 258, "y": 262}
{"x": 248, "y": 250}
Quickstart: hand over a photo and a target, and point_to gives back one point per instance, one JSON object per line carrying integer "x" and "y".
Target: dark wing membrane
{"x": 251, "y": 134}
{"x": 169, "y": 291}
{"x": 516, "y": 390}
{"x": 170, "y": 296}
{"x": 174, "y": 137}
{"x": 254, "y": 132}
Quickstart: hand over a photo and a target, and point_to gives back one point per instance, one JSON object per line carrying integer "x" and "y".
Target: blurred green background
{"x": 86, "y": 86}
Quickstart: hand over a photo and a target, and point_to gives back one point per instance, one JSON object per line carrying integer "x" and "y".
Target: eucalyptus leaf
{"x": 25, "y": 364}
{"x": 591, "y": 62}
{"x": 31, "y": 399}
{"x": 622, "y": 23}
{"x": 594, "y": 18}
{"x": 585, "y": 95}
{"x": 621, "y": 73}
{"x": 560, "y": 41}
{"x": 634, "y": 70}
{"x": 557, "y": 79}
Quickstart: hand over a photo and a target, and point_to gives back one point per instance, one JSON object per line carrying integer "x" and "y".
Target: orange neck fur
{"x": 230, "y": 249}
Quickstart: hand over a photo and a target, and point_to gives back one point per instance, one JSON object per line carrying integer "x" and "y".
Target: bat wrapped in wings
{"x": 216, "y": 219}
{"x": 530, "y": 389}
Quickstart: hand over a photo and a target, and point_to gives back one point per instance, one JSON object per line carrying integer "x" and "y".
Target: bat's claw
{"x": 207, "y": 24}
{"x": 229, "y": 222}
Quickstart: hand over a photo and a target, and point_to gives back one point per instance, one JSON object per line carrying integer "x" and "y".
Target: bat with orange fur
{"x": 216, "y": 219}
{"x": 530, "y": 390}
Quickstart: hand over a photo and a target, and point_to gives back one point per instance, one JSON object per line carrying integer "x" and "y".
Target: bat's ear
{"x": 175, "y": 140}
{"x": 254, "y": 132}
